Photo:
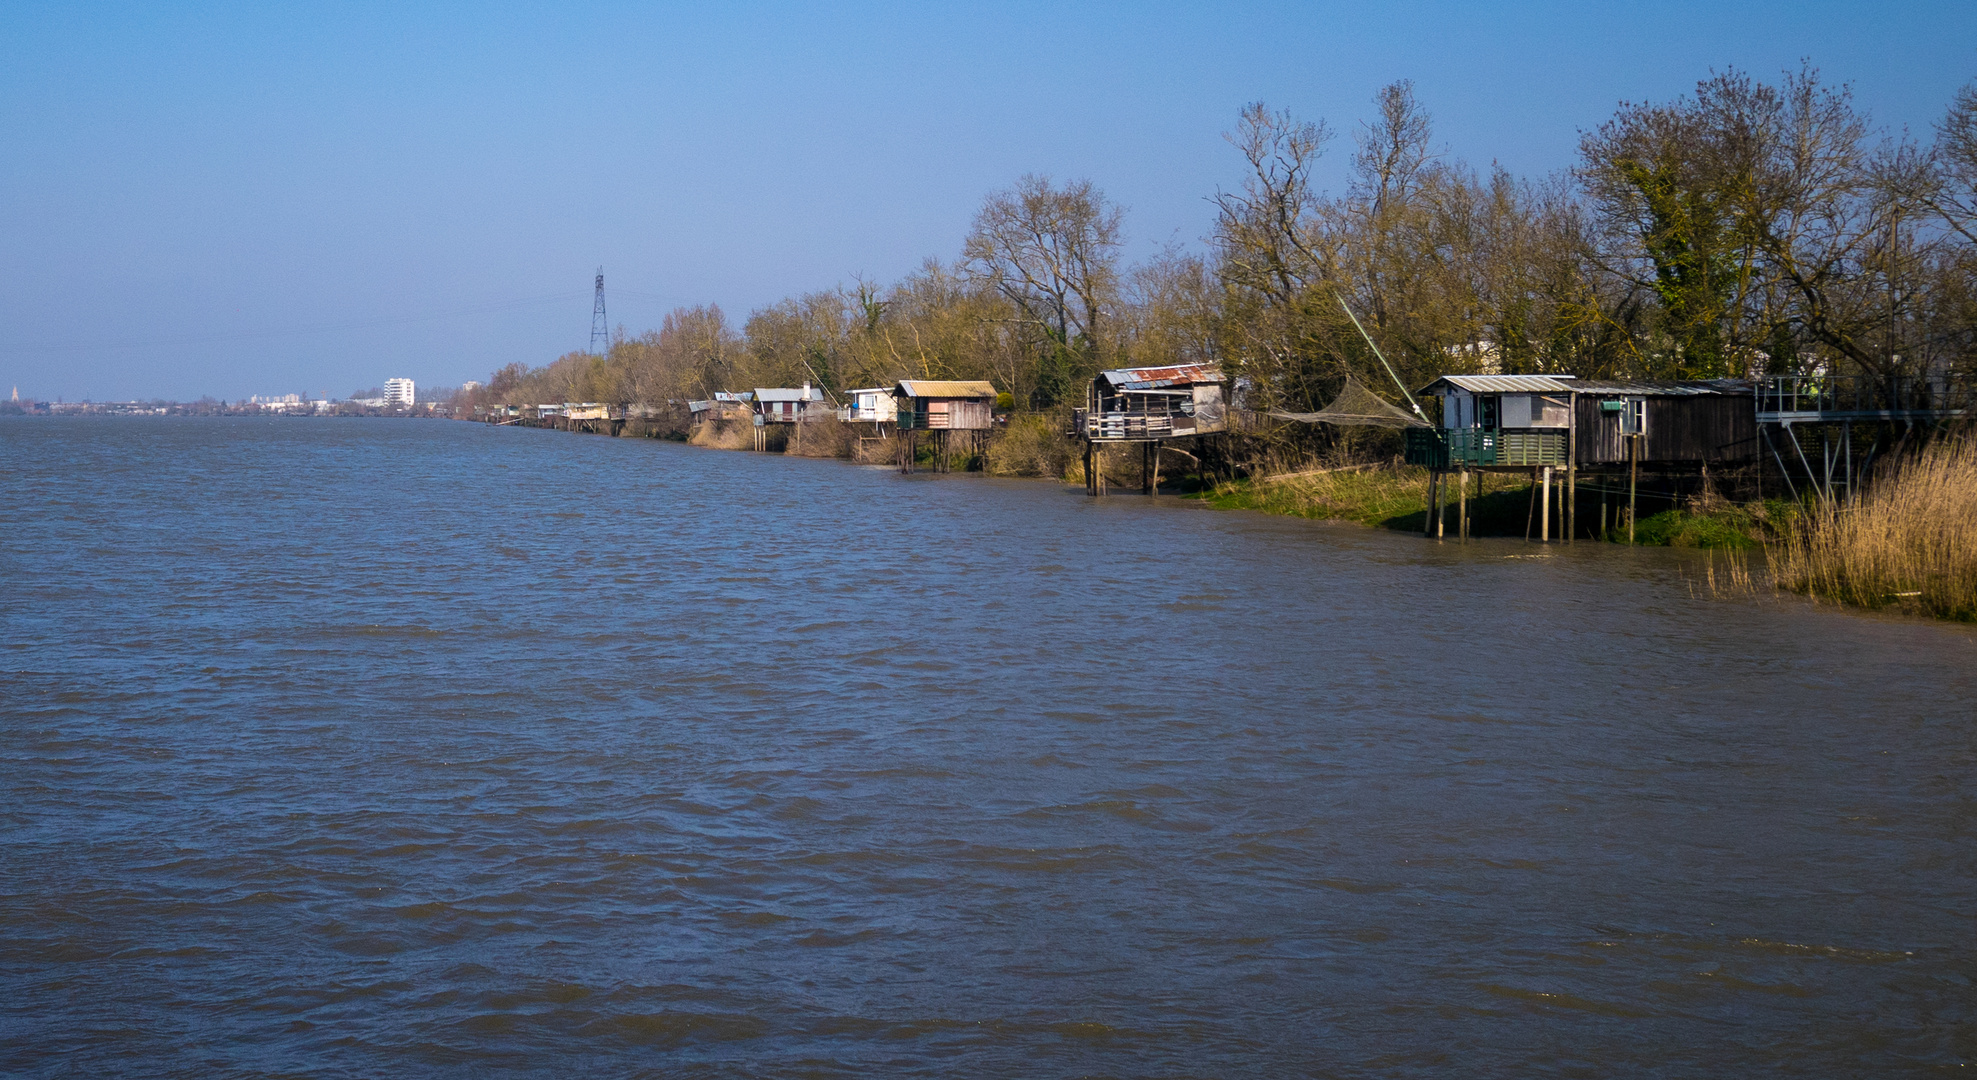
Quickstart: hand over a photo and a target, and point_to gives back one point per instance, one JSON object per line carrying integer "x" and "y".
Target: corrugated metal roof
{"x": 1565, "y": 384}
{"x": 946, "y": 388}
{"x": 1659, "y": 388}
{"x": 1507, "y": 384}
{"x": 786, "y": 393}
{"x": 1148, "y": 378}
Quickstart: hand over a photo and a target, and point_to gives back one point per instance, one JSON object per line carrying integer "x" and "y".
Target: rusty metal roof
{"x": 1148, "y": 378}
{"x": 945, "y": 388}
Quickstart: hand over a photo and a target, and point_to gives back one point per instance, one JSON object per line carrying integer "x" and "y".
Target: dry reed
{"x": 1910, "y": 538}
{"x": 1733, "y": 579}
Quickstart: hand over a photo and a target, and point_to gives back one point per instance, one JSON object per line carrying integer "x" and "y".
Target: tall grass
{"x": 1370, "y": 494}
{"x": 1034, "y": 445}
{"x": 1910, "y": 538}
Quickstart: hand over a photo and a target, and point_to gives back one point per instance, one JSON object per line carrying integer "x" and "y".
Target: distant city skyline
{"x": 233, "y": 200}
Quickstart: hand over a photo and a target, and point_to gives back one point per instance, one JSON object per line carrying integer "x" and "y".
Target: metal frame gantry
{"x": 1826, "y": 402}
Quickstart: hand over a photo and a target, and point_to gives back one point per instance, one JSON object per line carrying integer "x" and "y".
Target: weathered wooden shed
{"x": 1520, "y": 421}
{"x": 944, "y": 404}
{"x": 789, "y": 405}
{"x": 1149, "y": 406}
{"x": 722, "y": 406}
{"x": 943, "y": 407}
{"x": 1155, "y": 403}
{"x": 1557, "y": 422}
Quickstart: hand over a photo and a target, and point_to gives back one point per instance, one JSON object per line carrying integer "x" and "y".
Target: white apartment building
{"x": 398, "y": 392}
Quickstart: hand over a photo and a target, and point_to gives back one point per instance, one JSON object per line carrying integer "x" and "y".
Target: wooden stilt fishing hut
{"x": 1556, "y": 426}
{"x": 1149, "y": 406}
{"x": 723, "y": 406}
{"x": 786, "y": 405}
{"x": 953, "y": 411}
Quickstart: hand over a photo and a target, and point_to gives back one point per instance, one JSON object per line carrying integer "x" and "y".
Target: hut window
{"x": 1633, "y": 416}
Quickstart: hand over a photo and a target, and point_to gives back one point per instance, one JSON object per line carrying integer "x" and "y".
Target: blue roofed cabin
{"x": 1153, "y": 403}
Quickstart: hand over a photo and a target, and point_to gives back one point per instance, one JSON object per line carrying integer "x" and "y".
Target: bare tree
{"x": 1054, "y": 253}
{"x": 1953, "y": 196}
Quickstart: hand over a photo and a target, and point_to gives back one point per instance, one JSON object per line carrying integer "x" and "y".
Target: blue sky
{"x": 266, "y": 198}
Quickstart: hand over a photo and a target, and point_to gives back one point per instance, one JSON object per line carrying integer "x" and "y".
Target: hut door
{"x": 1487, "y": 414}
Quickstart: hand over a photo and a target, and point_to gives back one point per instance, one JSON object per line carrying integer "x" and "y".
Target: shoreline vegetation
{"x": 1908, "y": 542}
{"x": 1748, "y": 229}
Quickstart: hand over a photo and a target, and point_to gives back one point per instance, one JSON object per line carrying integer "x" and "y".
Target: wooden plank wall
{"x": 1704, "y": 428}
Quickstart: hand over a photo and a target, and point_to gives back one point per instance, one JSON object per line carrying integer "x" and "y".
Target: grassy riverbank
{"x": 1909, "y": 541}
{"x": 1395, "y": 497}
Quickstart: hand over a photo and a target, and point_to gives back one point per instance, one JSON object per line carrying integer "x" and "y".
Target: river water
{"x": 366, "y": 748}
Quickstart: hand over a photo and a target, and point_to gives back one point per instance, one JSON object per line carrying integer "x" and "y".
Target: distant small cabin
{"x": 789, "y": 405}
{"x": 1524, "y": 421}
{"x": 1153, "y": 403}
{"x": 869, "y": 405}
{"x": 585, "y": 410}
{"x": 944, "y": 405}
{"x": 722, "y": 406}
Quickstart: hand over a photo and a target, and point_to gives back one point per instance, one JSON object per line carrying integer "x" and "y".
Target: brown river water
{"x": 355, "y": 748}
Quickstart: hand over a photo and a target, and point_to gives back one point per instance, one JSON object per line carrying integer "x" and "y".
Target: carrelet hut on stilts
{"x": 1150, "y": 406}
{"x": 956, "y": 412}
{"x": 1557, "y": 427}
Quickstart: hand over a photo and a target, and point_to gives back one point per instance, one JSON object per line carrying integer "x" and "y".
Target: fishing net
{"x": 1355, "y": 406}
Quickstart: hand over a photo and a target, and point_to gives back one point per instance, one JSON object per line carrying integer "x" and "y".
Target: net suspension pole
{"x": 1416, "y": 406}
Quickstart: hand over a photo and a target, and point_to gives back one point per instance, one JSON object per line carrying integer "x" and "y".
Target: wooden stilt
{"x": 1568, "y": 519}
{"x": 1544, "y": 516}
{"x": 1442, "y": 505}
{"x": 1462, "y": 506}
{"x": 1633, "y": 481}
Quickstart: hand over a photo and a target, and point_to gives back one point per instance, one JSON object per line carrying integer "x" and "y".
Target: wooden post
{"x": 1569, "y": 520}
{"x": 1544, "y": 515}
{"x": 1147, "y": 466}
{"x": 1091, "y": 478}
{"x": 1442, "y": 505}
{"x": 1633, "y": 481}
{"x": 1428, "y": 505}
{"x": 1462, "y": 505}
